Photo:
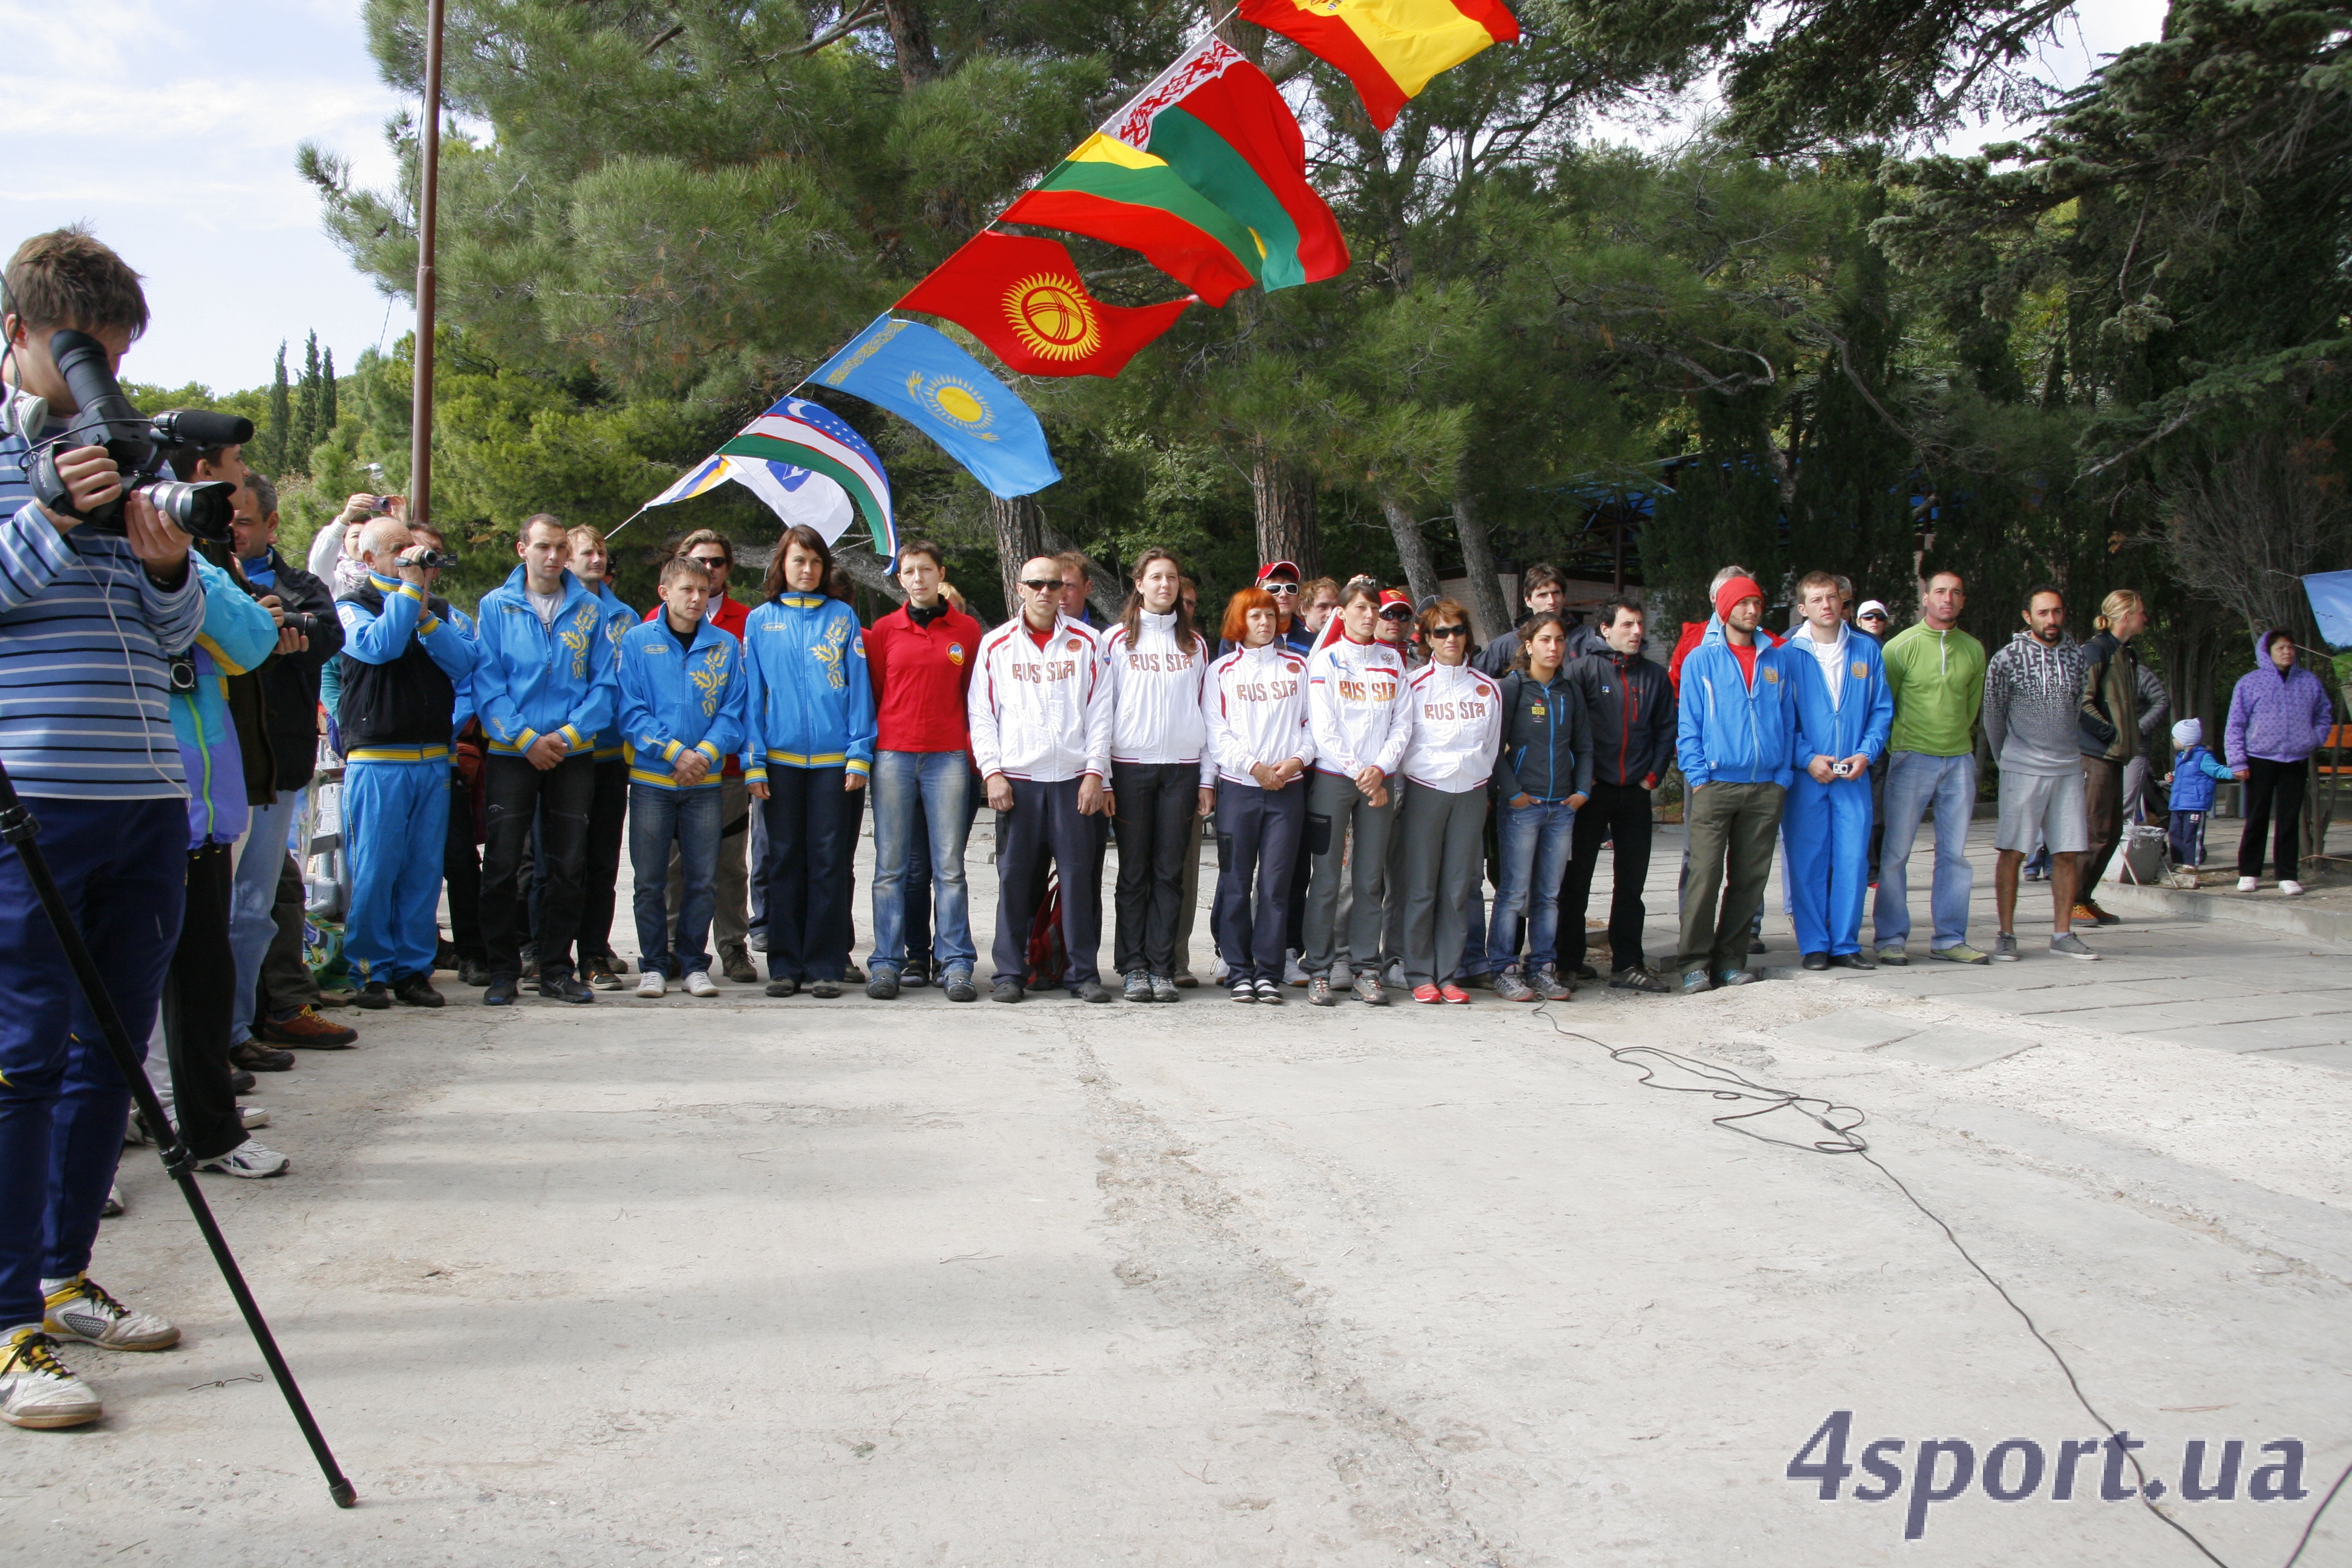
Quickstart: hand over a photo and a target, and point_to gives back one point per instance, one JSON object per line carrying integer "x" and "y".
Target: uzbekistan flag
{"x": 797, "y": 433}
{"x": 1389, "y": 48}
{"x": 794, "y": 493}
{"x": 1024, "y": 298}
{"x": 1205, "y": 174}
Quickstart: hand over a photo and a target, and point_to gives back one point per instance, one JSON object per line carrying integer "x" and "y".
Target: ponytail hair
{"x": 1132, "y": 616}
{"x": 1523, "y": 659}
{"x": 2115, "y": 607}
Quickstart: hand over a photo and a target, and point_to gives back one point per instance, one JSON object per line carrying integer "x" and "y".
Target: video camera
{"x": 141, "y": 447}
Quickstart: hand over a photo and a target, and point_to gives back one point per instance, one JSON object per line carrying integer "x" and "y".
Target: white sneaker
{"x": 83, "y": 1312}
{"x": 1217, "y": 975}
{"x": 252, "y": 1116}
{"x": 1291, "y": 973}
{"x": 2290, "y": 889}
{"x": 653, "y": 985}
{"x": 38, "y": 1389}
{"x": 2247, "y": 884}
{"x": 699, "y": 983}
{"x": 114, "y": 1202}
{"x": 250, "y": 1159}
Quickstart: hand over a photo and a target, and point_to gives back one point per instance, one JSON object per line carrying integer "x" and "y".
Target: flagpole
{"x": 420, "y": 451}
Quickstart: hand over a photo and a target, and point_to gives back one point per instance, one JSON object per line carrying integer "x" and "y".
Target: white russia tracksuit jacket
{"x": 1352, "y": 707}
{"x": 1257, "y": 711}
{"x": 1454, "y": 719}
{"x": 1040, "y": 713}
{"x": 1157, "y": 689}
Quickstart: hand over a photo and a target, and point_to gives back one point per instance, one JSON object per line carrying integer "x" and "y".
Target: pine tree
{"x": 327, "y": 416}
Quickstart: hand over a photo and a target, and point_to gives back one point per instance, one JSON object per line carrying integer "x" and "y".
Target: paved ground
{"x": 852, "y": 1283}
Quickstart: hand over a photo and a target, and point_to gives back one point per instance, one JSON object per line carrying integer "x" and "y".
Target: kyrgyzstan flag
{"x": 1024, "y": 300}
{"x": 1389, "y": 48}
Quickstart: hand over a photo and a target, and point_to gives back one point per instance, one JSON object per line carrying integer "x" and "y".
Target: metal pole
{"x": 420, "y": 451}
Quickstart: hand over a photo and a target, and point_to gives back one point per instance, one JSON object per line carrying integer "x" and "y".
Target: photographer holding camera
{"x": 91, "y": 611}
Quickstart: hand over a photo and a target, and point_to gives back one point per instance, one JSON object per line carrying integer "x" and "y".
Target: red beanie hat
{"x": 1731, "y": 593}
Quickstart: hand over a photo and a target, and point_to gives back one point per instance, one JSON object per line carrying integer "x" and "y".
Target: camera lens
{"x": 203, "y": 509}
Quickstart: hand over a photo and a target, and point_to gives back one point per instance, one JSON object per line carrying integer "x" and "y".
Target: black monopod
{"x": 18, "y": 828}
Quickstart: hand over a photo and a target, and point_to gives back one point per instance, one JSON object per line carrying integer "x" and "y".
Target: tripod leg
{"x": 18, "y": 828}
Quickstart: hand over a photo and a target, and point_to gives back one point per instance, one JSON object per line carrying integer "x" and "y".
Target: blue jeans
{"x": 937, "y": 785}
{"x": 1914, "y": 781}
{"x": 1535, "y": 840}
{"x": 253, "y": 905}
{"x": 692, "y": 820}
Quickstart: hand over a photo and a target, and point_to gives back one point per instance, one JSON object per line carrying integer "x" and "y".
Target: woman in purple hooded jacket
{"x": 2279, "y": 715}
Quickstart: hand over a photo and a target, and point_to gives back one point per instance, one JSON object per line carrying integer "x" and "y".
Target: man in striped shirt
{"x": 89, "y": 623}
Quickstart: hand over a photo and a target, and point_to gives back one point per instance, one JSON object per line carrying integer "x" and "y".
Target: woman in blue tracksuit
{"x": 1843, "y": 711}
{"x": 810, "y": 745}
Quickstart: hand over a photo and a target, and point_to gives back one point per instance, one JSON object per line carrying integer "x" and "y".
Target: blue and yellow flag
{"x": 922, "y": 377}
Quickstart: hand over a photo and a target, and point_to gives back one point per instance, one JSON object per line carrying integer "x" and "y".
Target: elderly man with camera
{"x": 97, "y": 596}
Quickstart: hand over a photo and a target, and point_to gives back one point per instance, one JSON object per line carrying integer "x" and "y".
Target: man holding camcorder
{"x": 96, "y": 596}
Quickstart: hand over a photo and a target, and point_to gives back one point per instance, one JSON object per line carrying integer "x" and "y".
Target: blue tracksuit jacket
{"x": 618, "y": 619}
{"x": 237, "y": 635}
{"x": 2194, "y": 774}
{"x": 1826, "y": 826}
{"x": 810, "y": 702}
{"x": 1730, "y": 732}
{"x": 675, "y": 699}
{"x": 534, "y": 679}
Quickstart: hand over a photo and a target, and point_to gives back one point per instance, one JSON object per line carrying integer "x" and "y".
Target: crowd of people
{"x": 1365, "y": 767}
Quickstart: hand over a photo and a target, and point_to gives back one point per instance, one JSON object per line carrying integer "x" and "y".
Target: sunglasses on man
{"x": 1396, "y": 613}
{"x": 1043, "y": 585}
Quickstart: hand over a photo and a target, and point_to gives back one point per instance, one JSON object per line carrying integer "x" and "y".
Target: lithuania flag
{"x": 1205, "y": 174}
{"x": 1389, "y": 48}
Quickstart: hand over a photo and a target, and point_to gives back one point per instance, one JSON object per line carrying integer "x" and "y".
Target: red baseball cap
{"x": 1271, "y": 567}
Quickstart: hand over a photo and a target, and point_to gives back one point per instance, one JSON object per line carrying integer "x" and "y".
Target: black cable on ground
{"x": 1844, "y": 1124}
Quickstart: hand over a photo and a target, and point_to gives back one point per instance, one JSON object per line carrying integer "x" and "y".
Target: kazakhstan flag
{"x": 921, "y": 376}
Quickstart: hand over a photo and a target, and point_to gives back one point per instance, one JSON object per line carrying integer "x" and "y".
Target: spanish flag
{"x": 1389, "y": 48}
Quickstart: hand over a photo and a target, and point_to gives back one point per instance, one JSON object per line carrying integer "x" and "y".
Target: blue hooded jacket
{"x": 1728, "y": 732}
{"x": 674, "y": 699}
{"x": 237, "y": 635}
{"x": 618, "y": 619}
{"x": 534, "y": 679}
{"x": 1857, "y": 723}
{"x": 811, "y": 703}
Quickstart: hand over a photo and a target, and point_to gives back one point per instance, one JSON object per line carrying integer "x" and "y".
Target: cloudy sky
{"x": 173, "y": 136}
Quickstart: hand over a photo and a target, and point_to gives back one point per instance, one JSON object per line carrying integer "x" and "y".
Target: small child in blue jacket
{"x": 2194, "y": 774}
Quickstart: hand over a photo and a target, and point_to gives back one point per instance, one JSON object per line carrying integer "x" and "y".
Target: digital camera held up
{"x": 141, "y": 448}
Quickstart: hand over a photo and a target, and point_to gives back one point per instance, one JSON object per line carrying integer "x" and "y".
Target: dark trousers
{"x": 560, "y": 798}
{"x": 197, "y": 993}
{"x": 121, "y": 868}
{"x": 2186, "y": 833}
{"x": 812, "y": 831}
{"x": 1043, "y": 826}
{"x": 1732, "y": 828}
{"x": 1258, "y": 831}
{"x": 2103, "y": 805}
{"x": 1154, "y": 799}
{"x": 286, "y": 983}
{"x": 2272, "y": 787}
{"x": 608, "y": 810}
{"x": 461, "y": 867}
{"x": 1618, "y": 814}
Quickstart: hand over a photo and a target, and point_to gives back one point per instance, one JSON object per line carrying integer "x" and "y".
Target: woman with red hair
{"x": 1258, "y": 740}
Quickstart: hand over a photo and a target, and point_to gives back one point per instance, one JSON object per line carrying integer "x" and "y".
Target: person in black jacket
{"x": 1542, "y": 587}
{"x": 309, "y": 635}
{"x": 1632, "y": 708}
{"x": 1543, "y": 776}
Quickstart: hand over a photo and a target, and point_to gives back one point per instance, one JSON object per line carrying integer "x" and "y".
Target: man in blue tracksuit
{"x": 683, "y": 708}
{"x": 543, "y": 689}
{"x": 404, "y": 659}
{"x": 591, "y": 563}
{"x": 1736, "y": 733}
{"x": 1843, "y": 709}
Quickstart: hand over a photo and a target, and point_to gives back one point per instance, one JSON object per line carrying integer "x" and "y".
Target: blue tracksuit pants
{"x": 395, "y": 817}
{"x": 1827, "y": 829}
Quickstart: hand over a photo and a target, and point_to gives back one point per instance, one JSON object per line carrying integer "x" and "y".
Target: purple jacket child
{"x": 2278, "y": 715}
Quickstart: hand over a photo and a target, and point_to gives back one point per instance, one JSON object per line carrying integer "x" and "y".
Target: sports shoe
{"x": 2069, "y": 945}
{"x": 255, "y": 1056}
{"x": 783, "y": 985}
{"x": 736, "y": 964}
{"x": 1318, "y": 990}
{"x": 1244, "y": 990}
{"x": 653, "y": 982}
{"x": 473, "y": 969}
{"x": 1395, "y": 975}
{"x": 565, "y": 988}
{"x": 240, "y": 1081}
{"x": 1368, "y": 992}
{"x": 1089, "y": 991}
{"x": 1139, "y": 986}
{"x": 249, "y": 1158}
{"x": 1003, "y": 991}
{"x": 884, "y": 986}
{"x": 958, "y": 986}
{"x": 1640, "y": 979}
{"x": 1893, "y": 957}
{"x": 1510, "y": 987}
{"x": 1291, "y": 973}
{"x": 252, "y": 1116}
{"x": 1549, "y": 983}
{"x": 83, "y": 1312}
{"x": 305, "y": 1029}
{"x": 2004, "y": 948}
{"x": 2290, "y": 889}
{"x": 2098, "y": 914}
{"x": 1426, "y": 994}
{"x": 1221, "y": 972}
{"x": 1695, "y": 981}
{"x": 1163, "y": 987}
{"x": 1269, "y": 994}
{"x": 2246, "y": 884}
{"x": 1735, "y": 977}
{"x": 114, "y": 1205}
{"x": 826, "y": 990}
{"x": 699, "y": 983}
{"x": 417, "y": 991}
{"x": 500, "y": 991}
{"x": 1958, "y": 952}
{"x": 39, "y": 1390}
{"x": 1453, "y": 992}
{"x": 600, "y": 973}
{"x": 375, "y": 996}
{"x": 1184, "y": 979}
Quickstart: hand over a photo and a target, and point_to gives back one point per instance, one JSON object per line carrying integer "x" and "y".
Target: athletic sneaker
{"x": 1695, "y": 981}
{"x": 1163, "y": 987}
{"x": 2247, "y": 884}
{"x": 1426, "y": 994}
{"x": 652, "y": 984}
{"x": 1368, "y": 992}
{"x": 252, "y": 1116}
{"x": 2071, "y": 946}
{"x": 112, "y": 1207}
{"x": 1510, "y": 987}
{"x": 1453, "y": 992}
{"x": 1139, "y": 986}
{"x": 958, "y": 986}
{"x": 2004, "y": 948}
{"x": 1549, "y": 984}
{"x": 1395, "y": 975}
{"x": 699, "y": 983}
{"x": 1894, "y": 956}
{"x": 1221, "y": 972}
{"x": 1269, "y": 994}
{"x": 884, "y": 986}
{"x": 1244, "y": 990}
{"x": 78, "y": 1310}
{"x": 305, "y": 1028}
{"x": 600, "y": 972}
{"x": 1958, "y": 952}
{"x": 1291, "y": 973}
{"x": 249, "y": 1158}
{"x": 1640, "y": 979}
{"x": 1089, "y": 991}
{"x": 1735, "y": 977}
{"x": 2290, "y": 889}
{"x": 1003, "y": 990}
{"x": 36, "y": 1389}
{"x": 1318, "y": 990}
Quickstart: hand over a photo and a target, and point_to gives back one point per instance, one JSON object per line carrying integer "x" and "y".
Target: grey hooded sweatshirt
{"x": 2032, "y": 698}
